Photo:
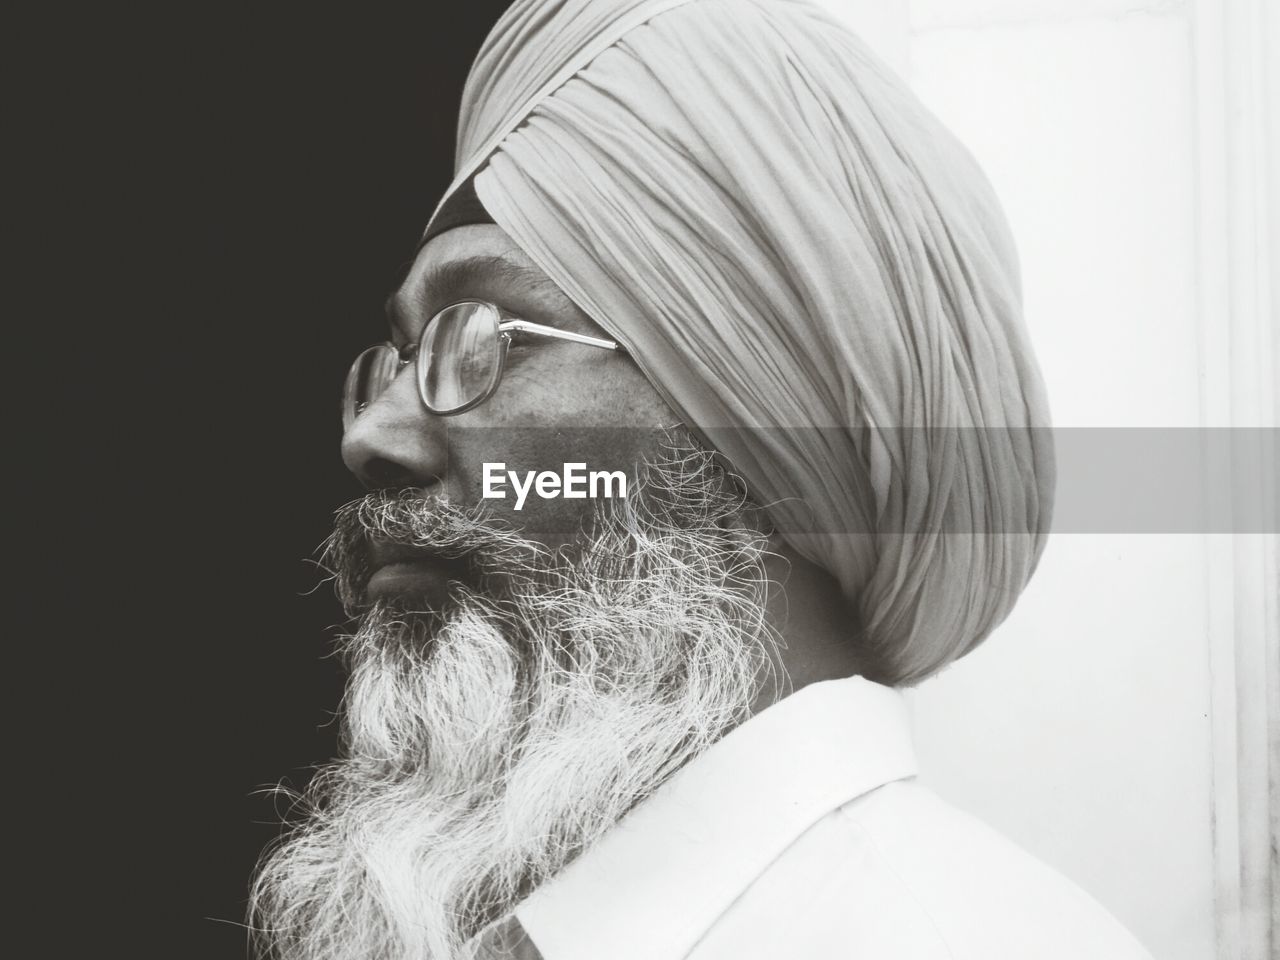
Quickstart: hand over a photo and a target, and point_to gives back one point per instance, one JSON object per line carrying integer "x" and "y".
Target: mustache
{"x": 426, "y": 525}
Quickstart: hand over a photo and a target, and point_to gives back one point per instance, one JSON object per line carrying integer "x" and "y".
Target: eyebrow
{"x": 455, "y": 280}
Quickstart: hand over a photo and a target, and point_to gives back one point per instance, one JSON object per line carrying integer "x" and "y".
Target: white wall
{"x": 1091, "y": 703}
{"x": 1093, "y": 727}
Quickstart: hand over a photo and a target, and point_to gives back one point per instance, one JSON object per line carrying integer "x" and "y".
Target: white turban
{"x": 807, "y": 266}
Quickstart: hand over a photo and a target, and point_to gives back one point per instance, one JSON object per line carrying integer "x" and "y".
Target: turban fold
{"x": 807, "y": 266}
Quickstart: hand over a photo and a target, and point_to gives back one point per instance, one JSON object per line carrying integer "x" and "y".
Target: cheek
{"x": 607, "y": 423}
{"x": 578, "y": 386}
{"x": 543, "y": 459}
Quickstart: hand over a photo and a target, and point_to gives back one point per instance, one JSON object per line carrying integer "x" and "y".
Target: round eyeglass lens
{"x": 459, "y": 357}
{"x": 369, "y": 375}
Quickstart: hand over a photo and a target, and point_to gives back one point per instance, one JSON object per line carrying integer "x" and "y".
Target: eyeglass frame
{"x": 508, "y": 324}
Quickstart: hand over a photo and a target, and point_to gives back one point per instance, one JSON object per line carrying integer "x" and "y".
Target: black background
{"x": 344, "y": 146}
{"x": 227, "y": 197}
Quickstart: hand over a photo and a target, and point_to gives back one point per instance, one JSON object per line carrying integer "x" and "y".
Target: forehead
{"x": 478, "y": 261}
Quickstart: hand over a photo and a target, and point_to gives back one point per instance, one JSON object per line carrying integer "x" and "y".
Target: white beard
{"x": 484, "y": 750}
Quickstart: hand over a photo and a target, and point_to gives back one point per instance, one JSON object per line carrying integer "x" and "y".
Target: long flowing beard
{"x": 486, "y": 747}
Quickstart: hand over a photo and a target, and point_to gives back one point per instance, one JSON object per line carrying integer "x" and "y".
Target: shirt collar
{"x": 654, "y": 884}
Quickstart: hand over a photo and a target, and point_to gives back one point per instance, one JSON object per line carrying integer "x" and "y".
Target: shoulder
{"x": 898, "y": 873}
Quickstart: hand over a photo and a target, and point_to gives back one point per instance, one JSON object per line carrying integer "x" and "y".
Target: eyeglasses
{"x": 460, "y": 358}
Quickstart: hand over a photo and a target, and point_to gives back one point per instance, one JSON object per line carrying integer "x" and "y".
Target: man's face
{"x": 558, "y": 402}
{"x": 568, "y": 659}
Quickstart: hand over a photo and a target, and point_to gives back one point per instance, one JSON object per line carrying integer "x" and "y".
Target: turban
{"x": 808, "y": 267}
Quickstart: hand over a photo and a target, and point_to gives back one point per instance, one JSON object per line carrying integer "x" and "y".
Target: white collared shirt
{"x": 803, "y": 835}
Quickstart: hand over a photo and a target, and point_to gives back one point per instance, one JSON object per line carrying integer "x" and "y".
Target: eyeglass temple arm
{"x": 526, "y": 326}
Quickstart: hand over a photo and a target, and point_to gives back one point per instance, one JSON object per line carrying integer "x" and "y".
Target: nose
{"x": 396, "y": 442}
